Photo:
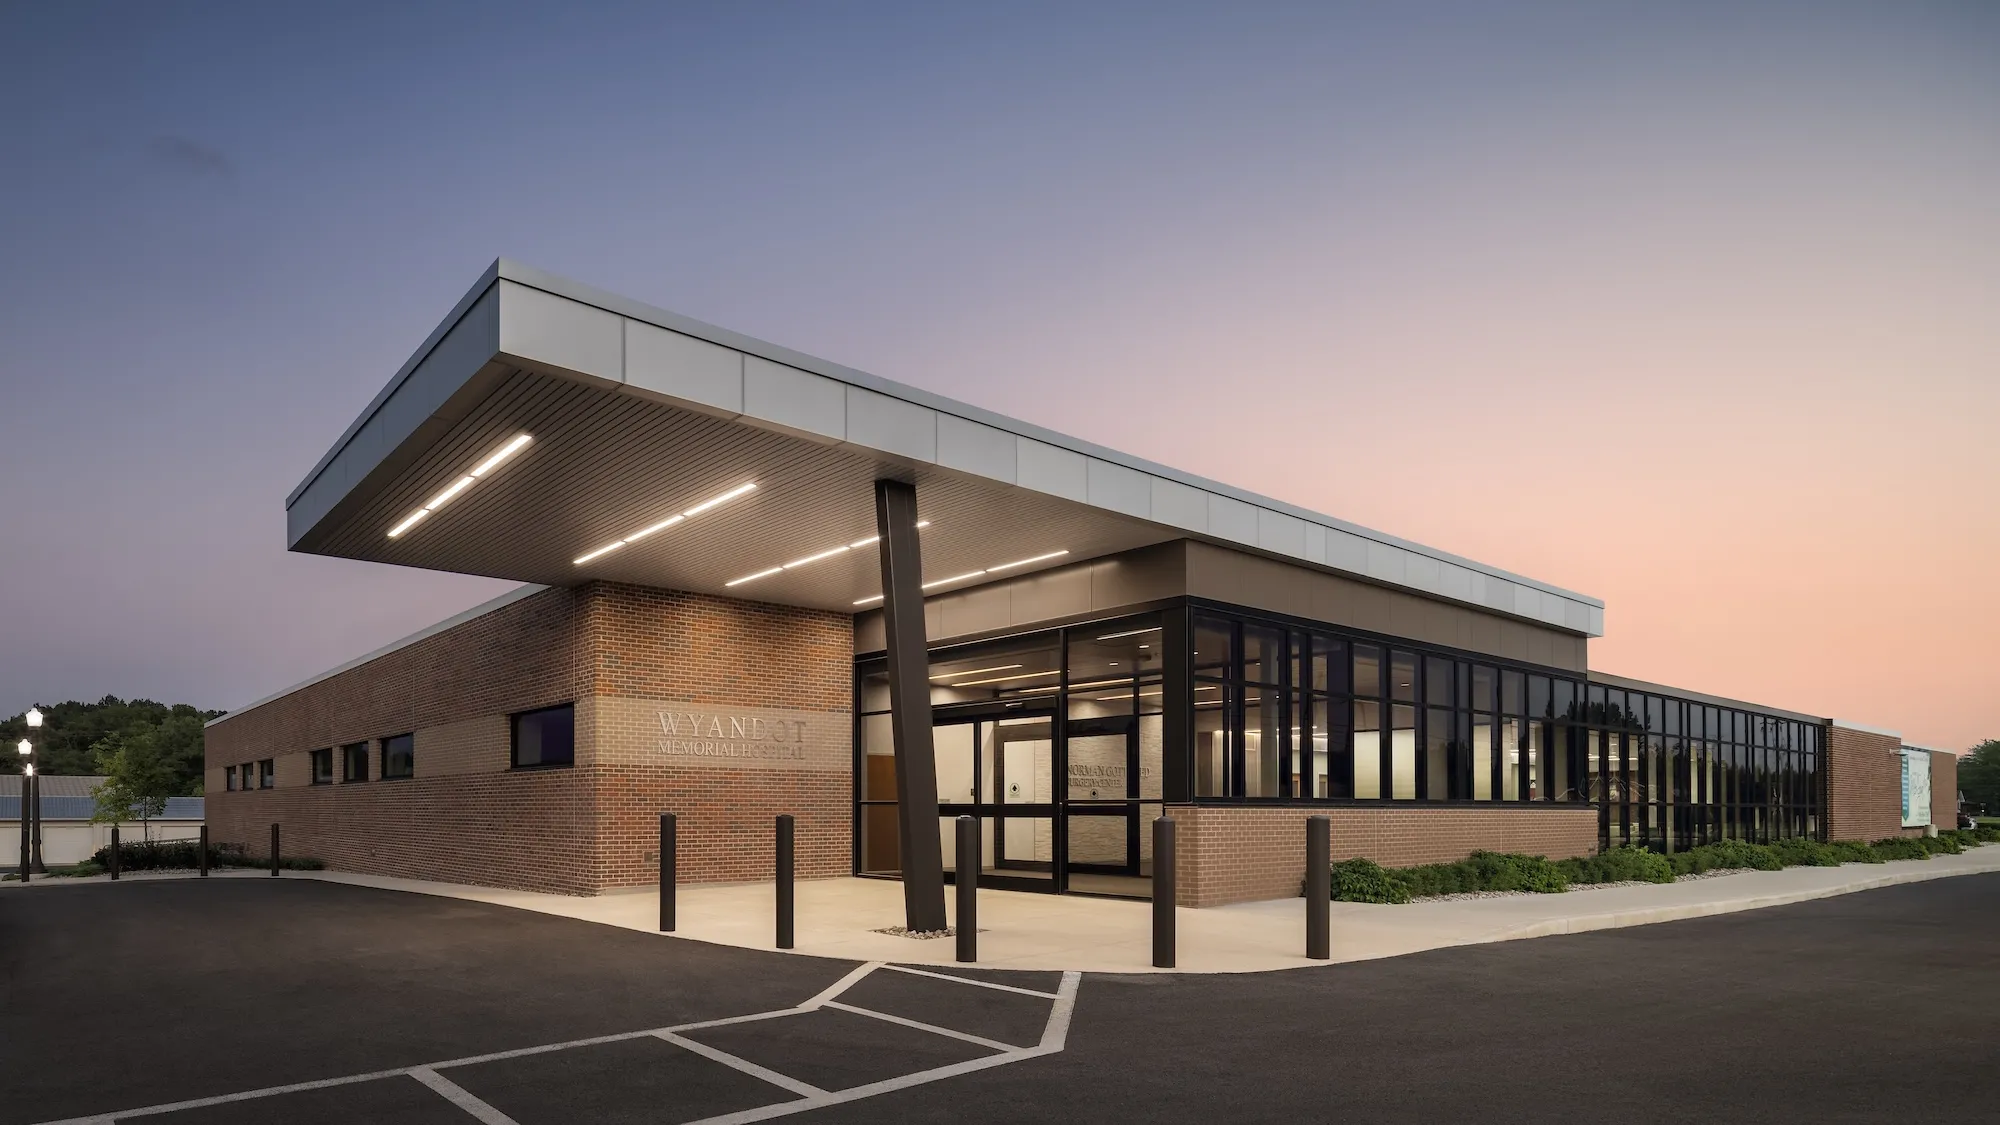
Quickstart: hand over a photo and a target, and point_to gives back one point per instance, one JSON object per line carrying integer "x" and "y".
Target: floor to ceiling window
{"x": 1063, "y": 745}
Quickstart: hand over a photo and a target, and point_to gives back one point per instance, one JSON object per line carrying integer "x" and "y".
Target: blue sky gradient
{"x": 1691, "y": 308}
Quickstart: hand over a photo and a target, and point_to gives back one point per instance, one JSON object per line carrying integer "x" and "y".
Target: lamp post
{"x": 27, "y": 779}
{"x": 34, "y": 717}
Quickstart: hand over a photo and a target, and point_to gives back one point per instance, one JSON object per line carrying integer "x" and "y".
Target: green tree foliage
{"x": 139, "y": 776}
{"x": 1979, "y": 776}
{"x": 72, "y": 730}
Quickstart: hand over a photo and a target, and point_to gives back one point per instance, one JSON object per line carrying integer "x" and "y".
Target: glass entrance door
{"x": 1000, "y": 770}
{"x": 1111, "y": 794}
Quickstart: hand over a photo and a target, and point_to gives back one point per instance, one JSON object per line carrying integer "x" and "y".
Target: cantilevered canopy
{"x": 548, "y": 432}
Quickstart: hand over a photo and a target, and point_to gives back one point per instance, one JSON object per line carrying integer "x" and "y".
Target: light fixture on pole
{"x": 27, "y": 779}
{"x": 34, "y": 778}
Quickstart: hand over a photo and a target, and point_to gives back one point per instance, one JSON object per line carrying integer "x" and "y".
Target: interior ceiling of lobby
{"x": 603, "y": 464}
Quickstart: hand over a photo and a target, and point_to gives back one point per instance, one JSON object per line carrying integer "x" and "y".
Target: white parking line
{"x": 786, "y": 1081}
{"x": 1054, "y": 1037}
{"x": 916, "y": 972}
{"x": 989, "y": 1044}
{"x": 460, "y": 1096}
{"x": 843, "y": 984}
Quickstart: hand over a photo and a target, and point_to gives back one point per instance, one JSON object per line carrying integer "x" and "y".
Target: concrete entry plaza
{"x": 1022, "y": 930}
{"x": 1825, "y": 1010}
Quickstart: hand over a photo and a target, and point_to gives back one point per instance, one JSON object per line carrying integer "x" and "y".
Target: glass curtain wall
{"x": 1284, "y": 713}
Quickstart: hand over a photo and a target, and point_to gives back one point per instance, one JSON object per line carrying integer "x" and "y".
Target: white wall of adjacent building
{"x": 69, "y": 841}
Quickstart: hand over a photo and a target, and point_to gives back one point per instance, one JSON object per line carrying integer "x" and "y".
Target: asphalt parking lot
{"x": 379, "y": 1006}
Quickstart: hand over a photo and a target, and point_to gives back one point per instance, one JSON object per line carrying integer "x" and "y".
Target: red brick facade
{"x": 1225, "y": 855}
{"x": 626, "y": 657}
{"x": 728, "y": 713}
{"x": 1864, "y": 785}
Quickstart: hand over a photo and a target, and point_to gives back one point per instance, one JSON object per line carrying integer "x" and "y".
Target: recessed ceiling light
{"x": 1025, "y": 562}
{"x": 977, "y": 671}
{"x": 1006, "y": 679}
{"x": 826, "y": 554}
{"x": 460, "y": 485}
{"x": 815, "y": 558}
{"x": 505, "y": 452}
{"x": 952, "y": 579}
{"x": 754, "y": 577}
{"x": 705, "y": 505}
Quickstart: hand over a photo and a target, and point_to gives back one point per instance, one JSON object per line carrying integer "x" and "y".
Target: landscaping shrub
{"x": 158, "y": 855}
{"x": 1941, "y": 844}
{"x": 1726, "y": 855}
{"x": 185, "y": 855}
{"x": 1364, "y": 880}
{"x": 1988, "y": 832}
{"x": 1485, "y": 871}
{"x": 1799, "y": 851}
{"x": 1623, "y": 864}
{"x": 77, "y": 870}
{"x": 1854, "y": 851}
{"x": 1901, "y": 847}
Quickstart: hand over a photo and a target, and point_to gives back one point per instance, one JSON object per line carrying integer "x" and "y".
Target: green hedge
{"x": 1623, "y": 864}
{"x": 1362, "y": 880}
{"x": 185, "y": 855}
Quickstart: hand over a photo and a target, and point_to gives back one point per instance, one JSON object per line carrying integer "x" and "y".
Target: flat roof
{"x": 635, "y": 414}
{"x": 1628, "y": 684}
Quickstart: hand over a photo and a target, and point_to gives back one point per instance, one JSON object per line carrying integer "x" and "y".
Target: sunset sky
{"x": 1693, "y": 308}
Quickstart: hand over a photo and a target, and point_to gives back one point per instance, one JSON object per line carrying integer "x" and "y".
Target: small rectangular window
{"x": 229, "y": 778}
{"x": 354, "y": 762}
{"x": 399, "y": 757}
{"x": 267, "y": 774}
{"x": 322, "y": 766}
{"x": 545, "y": 738}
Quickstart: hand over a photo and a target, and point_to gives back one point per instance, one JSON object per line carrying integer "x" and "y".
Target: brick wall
{"x": 1944, "y": 789}
{"x": 1864, "y": 785}
{"x": 619, "y": 653}
{"x": 1226, "y": 855}
{"x": 655, "y": 648}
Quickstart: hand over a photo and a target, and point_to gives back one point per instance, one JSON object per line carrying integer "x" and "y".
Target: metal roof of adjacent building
{"x": 83, "y": 808}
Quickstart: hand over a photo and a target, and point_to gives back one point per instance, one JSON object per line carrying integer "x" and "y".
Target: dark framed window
{"x": 399, "y": 757}
{"x": 544, "y": 738}
{"x": 229, "y": 778}
{"x": 267, "y": 773}
{"x": 354, "y": 762}
{"x": 322, "y": 766}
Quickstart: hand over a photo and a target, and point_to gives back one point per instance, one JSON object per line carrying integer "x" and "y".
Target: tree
{"x": 139, "y": 776}
{"x": 73, "y": 730}
{"x": 1979, "y": 776}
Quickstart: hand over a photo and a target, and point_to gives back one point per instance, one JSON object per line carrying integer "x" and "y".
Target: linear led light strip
{"x": 975, "y": 574}
{"x": 670, "y": 521}
{"x": 976, "y": 671}
{"x": 461, "y": 484}
{"x": 813, "y": 558}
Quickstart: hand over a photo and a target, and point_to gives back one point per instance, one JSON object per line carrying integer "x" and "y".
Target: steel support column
{"x": 910, "y": 706}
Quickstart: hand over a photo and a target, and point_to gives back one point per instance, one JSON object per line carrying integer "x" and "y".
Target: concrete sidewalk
{"x": 837, "y": 917}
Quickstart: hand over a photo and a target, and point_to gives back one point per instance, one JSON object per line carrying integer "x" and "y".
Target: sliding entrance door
{"x": 1000, "y": 770}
